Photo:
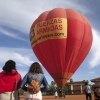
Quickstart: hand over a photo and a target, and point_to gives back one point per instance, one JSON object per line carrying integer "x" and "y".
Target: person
{"x": 10, "y": 81}
{"x": 88, "y": 94}
{"x": 61, "y": 92}
{"x": 56, "y": 94}
{"x": 96, "y": 93}
{"x": 35, "y": 69}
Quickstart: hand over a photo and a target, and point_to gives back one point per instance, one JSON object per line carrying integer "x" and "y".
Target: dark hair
{"x": 35, "y": 68}
{"x": 86, "y": 83}
{"x": 9, "y": 66}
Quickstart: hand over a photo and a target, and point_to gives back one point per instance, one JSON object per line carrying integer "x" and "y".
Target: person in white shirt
{"x": 56, "y": 94}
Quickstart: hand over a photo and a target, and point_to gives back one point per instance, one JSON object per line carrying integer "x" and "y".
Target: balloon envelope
{"x": 61, "y": 39}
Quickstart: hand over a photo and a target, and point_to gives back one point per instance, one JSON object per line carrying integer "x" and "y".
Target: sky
{"x": 16, "y": 18}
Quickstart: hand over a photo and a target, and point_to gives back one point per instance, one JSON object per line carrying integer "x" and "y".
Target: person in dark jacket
{"x": 35, "y": 69}
{"x": 96, "y": 94}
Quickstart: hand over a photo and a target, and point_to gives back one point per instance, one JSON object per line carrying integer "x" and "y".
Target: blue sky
{"x": 16, "y": 18}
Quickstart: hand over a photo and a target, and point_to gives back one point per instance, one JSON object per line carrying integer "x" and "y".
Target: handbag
{"x": 15, "y": 93}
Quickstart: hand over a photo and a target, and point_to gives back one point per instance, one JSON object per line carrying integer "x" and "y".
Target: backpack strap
{"x": 30, "y": 74}
{"x": 16, "y": 82}
{"x": 38, "y": 76}
{"x": 15, "y": 87}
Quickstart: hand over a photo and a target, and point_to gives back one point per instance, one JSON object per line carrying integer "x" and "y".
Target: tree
{"x": 54, "y": 87}
{"x": 71, "y": 80}
{"x": 21, "y": 91}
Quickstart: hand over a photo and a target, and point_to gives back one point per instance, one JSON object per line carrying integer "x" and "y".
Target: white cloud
{"x": 22, "y": 73}
{"x": 22, "y": 56}
{"x": 10, "y": 34}
{"x": 20, "y": 15}
{"x": 92, "y": 72}
{"x": 95, "y": 50}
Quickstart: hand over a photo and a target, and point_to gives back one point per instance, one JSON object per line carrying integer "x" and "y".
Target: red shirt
{"x": 7, "y": 81}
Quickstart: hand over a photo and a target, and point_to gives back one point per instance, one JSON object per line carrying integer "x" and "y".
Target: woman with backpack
{"x": 88, "y": 91}
{"x": 30, "y": 84}
{"x": 10, "y": 81}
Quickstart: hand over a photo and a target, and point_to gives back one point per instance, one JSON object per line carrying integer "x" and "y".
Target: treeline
{"x": 52, "y": 88}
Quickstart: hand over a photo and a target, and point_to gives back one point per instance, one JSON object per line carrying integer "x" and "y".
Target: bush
{"x": 21, "y": 91}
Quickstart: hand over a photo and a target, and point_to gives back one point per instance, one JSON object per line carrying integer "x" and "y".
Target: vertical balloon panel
{"x": 58, "y": 38}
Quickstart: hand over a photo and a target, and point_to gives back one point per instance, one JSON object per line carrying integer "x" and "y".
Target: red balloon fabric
{"x": 61, "y": 39}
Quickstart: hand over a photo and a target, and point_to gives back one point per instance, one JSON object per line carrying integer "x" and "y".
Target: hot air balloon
{"x": 61, "y": 39}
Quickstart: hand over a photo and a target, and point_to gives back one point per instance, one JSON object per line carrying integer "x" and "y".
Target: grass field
{"x": 68, "y": 97}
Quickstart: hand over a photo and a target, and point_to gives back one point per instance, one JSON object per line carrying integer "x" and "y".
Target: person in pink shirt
{"x": 10, "y": 81}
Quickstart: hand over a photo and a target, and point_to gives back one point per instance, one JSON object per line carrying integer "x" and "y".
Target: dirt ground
{"x": 68, "y": 97}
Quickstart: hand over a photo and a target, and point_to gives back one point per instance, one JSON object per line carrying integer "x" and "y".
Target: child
{"x": 56, "y": 94}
